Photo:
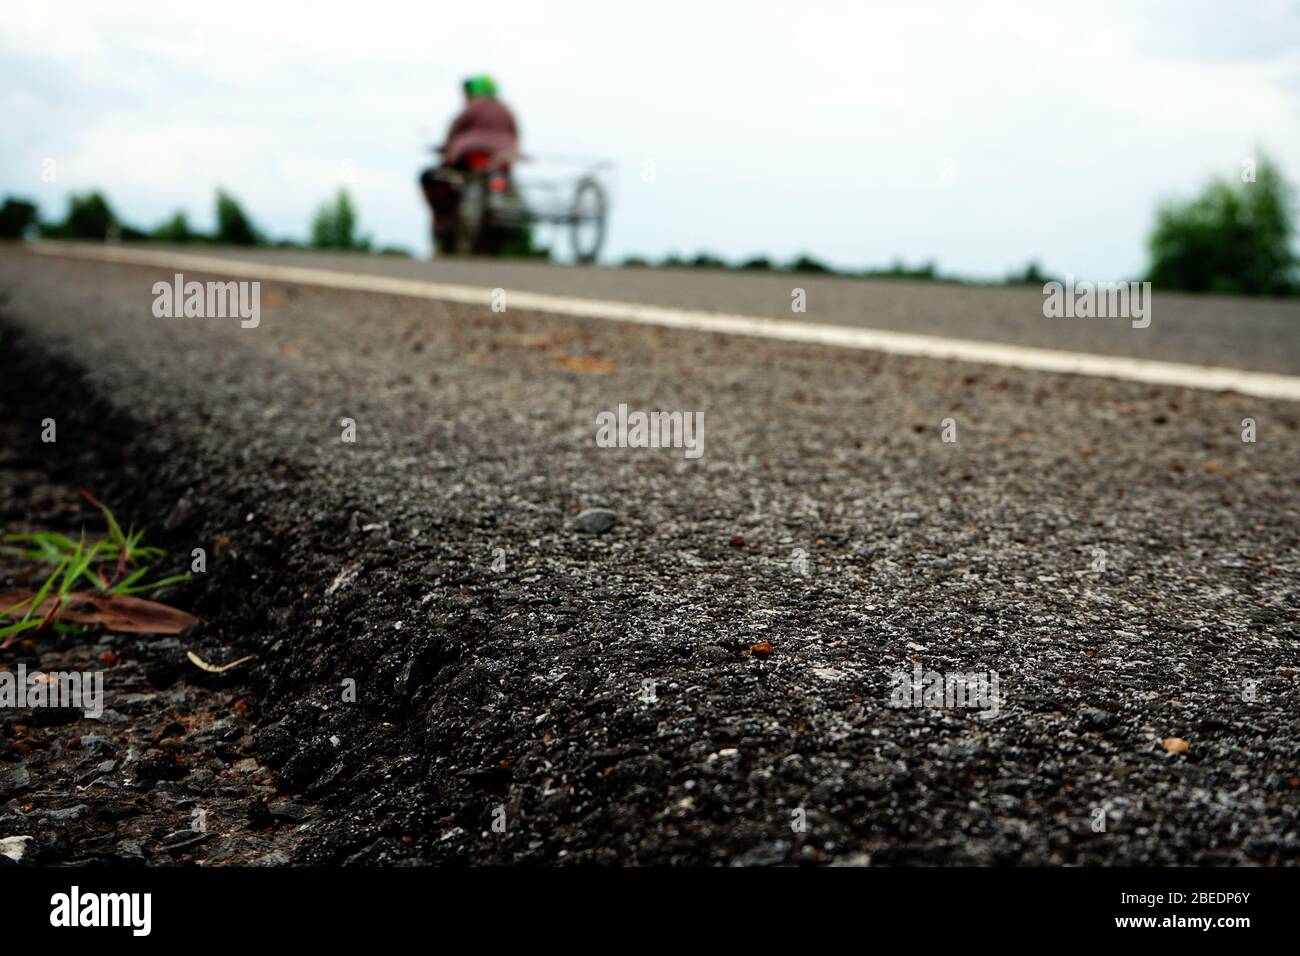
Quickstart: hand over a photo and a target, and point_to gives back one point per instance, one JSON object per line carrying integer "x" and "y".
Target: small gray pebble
{"x": 596, "y": 520}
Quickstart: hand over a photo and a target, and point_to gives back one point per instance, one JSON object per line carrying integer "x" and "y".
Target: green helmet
{"x": 481, "y": 85}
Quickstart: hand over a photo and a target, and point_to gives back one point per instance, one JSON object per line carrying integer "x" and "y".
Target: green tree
{"x": 1031, "y": 274}
{"x": 15, "y": 216}
{"x": 707, "y": 260}
{"x": 89, "y": 217}
{"x": 175, "y": 230}
{"x": 1234, "y": 237}
{"x": 233, "y": 227}
{"x": 806, "y": 263}
{"x": 335, "y": 225}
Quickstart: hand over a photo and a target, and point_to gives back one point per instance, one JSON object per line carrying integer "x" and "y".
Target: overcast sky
{"x": 978, "y": 135}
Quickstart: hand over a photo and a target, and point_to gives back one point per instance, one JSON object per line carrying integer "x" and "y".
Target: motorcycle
{"x": 491, "y": 211}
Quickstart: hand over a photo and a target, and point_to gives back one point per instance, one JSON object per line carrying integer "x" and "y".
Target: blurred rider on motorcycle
{"x": 483, "y": 134}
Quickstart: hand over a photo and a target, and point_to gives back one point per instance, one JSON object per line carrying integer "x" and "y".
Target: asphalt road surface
{"x": 1254, "y": 334}
{"x": 715, "y": 678}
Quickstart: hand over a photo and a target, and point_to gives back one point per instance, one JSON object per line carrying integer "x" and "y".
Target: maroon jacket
{"x": 485, "y": 125}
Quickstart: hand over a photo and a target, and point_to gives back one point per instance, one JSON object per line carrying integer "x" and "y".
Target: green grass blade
{"x": 39, "y": 599}
{"x": 15, "y": 608}
{"x": 78, "y": 562}
{"x": 152, "y": 586}
{"x": 126, "y": 582}
{"x": 18, "y": 627}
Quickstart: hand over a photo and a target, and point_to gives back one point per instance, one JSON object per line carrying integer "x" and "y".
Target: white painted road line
{"x": 1210, "y": 378}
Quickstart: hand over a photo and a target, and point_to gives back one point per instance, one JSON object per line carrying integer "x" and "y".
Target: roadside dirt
{"x": 164, "y": 774}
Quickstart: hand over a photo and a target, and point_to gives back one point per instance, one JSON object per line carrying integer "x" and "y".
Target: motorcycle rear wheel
{"x": 474, "y": 216}
{"x": 587, "y": 220}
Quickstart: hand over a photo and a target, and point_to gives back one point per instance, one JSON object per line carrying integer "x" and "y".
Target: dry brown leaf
{"x": 117, "y": 612}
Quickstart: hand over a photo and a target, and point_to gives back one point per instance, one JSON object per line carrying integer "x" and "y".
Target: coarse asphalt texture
{"x": 1255, "y": 334}
{"x": 528, "y": 693}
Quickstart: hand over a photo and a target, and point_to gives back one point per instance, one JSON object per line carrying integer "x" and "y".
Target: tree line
{"x": 1237, "y": 236}
{"x": 90, "y": 217}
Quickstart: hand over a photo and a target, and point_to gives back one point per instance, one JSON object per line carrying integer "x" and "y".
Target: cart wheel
{"x": 473, "y": 222}
{"x": 587, "y": 220}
